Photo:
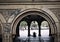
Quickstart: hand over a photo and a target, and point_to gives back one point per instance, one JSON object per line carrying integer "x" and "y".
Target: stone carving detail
{"x": 7, "y": 27}
{"x": 56, "y": 11}
{"x": 0, "y": 29}
{"x": 9, "y": 12}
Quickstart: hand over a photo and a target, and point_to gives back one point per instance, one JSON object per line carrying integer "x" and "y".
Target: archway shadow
{"x": 34, "y": 39}
{"x": 0, "y": 38}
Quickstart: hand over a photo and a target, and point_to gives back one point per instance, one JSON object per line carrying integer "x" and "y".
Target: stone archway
{"x": 1, "y": 31}
{"x": 39, "y": 12}
{"x": 2, "y": 20}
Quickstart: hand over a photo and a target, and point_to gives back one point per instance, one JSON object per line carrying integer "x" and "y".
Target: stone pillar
{"x": 6, "y": 37}
{"x": 28, "y": 29}
{"x": 39, "y": 24}
{"x": 50, "y": 31}
{"x": 58, "y": 33}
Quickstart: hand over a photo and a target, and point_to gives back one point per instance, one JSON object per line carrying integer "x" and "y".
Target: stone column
{"x": 58, "y": 33}
{"x": 7, "y": 38}
{"x": 28, "y": 29}
{"x": 39, "y": 24}
{"x": 6, "y": 33}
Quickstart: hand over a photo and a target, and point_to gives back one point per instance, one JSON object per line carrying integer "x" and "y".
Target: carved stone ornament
{"x": 7, "y": 13}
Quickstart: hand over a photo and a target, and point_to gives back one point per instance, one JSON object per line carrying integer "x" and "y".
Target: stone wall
{"x": 10, "y": 12}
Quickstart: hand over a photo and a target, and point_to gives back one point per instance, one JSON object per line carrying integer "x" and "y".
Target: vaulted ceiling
{"x": 33, "y": 18}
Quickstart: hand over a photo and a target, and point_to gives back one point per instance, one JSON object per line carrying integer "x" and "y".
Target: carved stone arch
{"x": 39, "y": 12}
{"x": 1, "y": 31}
{"x": 2, "y": 18}
{"x": 1, "y": 27}
{"x": 11, "y": 18}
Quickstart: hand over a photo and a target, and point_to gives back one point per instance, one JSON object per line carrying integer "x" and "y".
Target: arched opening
{"x": 23, "y": 29}
{"x": 44, "y": 28}
{"x": 34, "y": 16}
{"x": 31, "y": 23}
{"x": 31, "y": 26}
{"x": 34, "y": 28}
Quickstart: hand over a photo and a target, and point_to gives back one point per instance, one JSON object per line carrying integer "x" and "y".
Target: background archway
{"x": 34, "y": 28}
{"x": 23, "y": 29}
{"x": 45, "y": 30}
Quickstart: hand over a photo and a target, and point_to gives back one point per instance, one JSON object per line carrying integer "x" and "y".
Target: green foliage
{"x": 23, "y": 23}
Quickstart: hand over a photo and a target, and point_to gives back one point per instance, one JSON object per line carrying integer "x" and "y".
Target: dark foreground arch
{"x": 45, "y": 15}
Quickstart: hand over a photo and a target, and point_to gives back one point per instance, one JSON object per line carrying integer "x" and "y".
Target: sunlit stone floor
{"x": 34, "y": 39}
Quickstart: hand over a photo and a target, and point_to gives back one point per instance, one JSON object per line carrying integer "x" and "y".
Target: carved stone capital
{"x": 7, "y": 28}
